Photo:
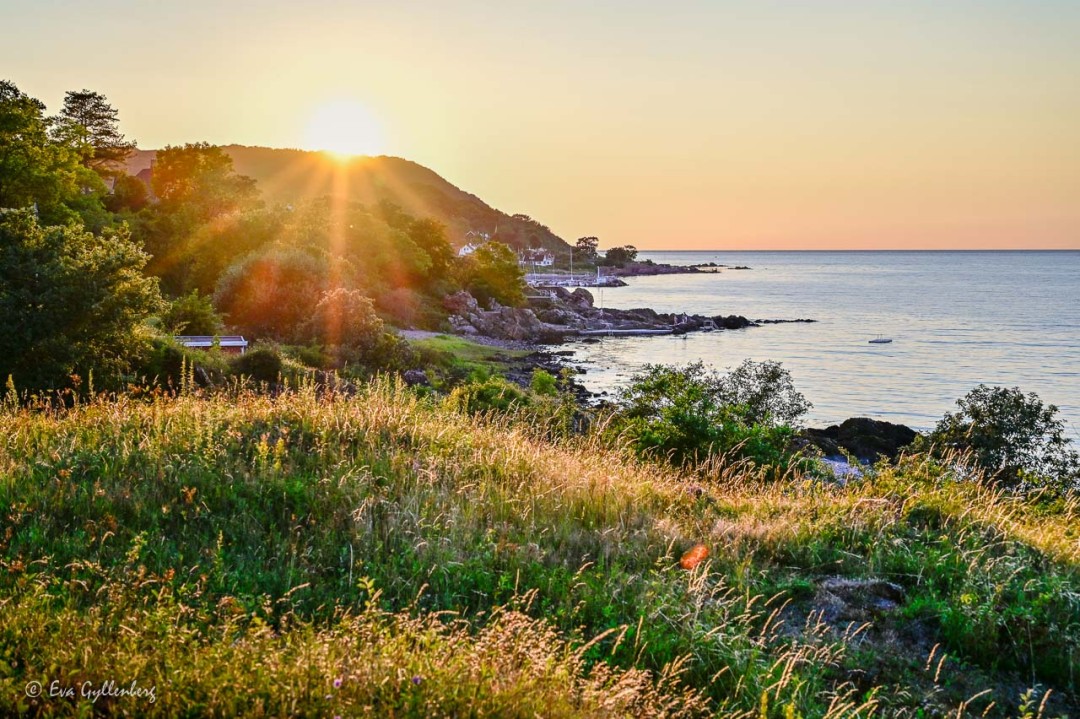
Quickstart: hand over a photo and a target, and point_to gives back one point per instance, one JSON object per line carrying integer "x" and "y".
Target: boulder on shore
{"x": 865, "y": 438}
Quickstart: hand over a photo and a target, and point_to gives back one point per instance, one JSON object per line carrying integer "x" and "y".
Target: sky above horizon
{"x": 687, "y": 125}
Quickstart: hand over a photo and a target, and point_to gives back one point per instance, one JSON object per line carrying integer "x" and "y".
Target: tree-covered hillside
{"x": 296, "y": 176}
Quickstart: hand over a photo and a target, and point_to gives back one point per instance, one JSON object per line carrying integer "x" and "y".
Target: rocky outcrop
{"x": 865, "y": 438}
{"x": 639, "y": 269}
{"x": 416, "y": 378}
{"x": 733, "y": 322}
{"x": 846, "y": 599}
{"x": 555, "y": 313}
{"x": 461, "y": 304}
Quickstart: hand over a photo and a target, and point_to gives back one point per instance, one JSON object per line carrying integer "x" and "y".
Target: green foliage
{"x": 192, "y": 314}
{"x": 39, "y": 161}
{"x": 345, "y": 323}
{"x": 104, "y": 147}
{"x": 430, "y": 236}
{"x": 273, "y": 295}
{"x": 192, "y": 253}
{"x": 381, "y": 254}
{"x": 690, "y": 414}
{"x": 492, "y": 273}
{"x": 200, "y": 176}
{"x": 764, "y": 392}
{"x": 544, "y": 383}
{"x": 262, "y": 364}
{"x": 620, "y": 256}
{"x": 585, "y": 249}
{"x": 492, "y": 394}
{"x": 129, "y": 194}
{"x": 1011, "y": 436}
{"x": 72, "y": 302}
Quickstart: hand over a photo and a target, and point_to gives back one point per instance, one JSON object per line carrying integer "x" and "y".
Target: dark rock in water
{"x": 868, "y": 439}
{"x": 643, "y": 314}
{"x": 783, "y": 322}
{"x": 416, "y": 378}
{"x": 732, "y": 322}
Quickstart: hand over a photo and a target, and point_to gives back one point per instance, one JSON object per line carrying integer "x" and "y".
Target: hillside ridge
{"x": 294, "y": 176}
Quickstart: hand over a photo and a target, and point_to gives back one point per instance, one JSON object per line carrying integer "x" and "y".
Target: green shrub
{"x": 1011, "y": 436}
{"x": 311, "y": 356}
{"x": 167, "y": 361}
{"x": 262, "y": 364}
{"x": 272, "y": 294}
{"x": 192, "y": 314}
{"x": 492, "y": 274}
{"x": 544, "y": 383}
{"x": 493, "y": 394}
{"x": 688, "y": 415}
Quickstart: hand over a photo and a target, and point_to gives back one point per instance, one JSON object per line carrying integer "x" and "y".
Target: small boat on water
{"x": 879, "y": 340}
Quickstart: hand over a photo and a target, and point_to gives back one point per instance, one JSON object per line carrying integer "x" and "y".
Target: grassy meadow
{"x": 375, "y": 553}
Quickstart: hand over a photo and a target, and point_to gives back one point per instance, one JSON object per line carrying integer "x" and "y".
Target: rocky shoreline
{"x": 555, "y": 314}
{"x": 644, "y": 269}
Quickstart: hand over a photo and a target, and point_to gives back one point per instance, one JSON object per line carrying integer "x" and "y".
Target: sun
{"x": 344, "y": 128}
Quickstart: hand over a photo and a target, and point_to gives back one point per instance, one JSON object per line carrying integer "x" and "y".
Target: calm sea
{"x": 957, "y": 319}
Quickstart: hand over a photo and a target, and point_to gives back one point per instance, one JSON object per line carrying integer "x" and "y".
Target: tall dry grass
{"x": 262, "y": 529}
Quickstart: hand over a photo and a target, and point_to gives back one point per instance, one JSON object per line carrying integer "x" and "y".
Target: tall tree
{"x": 492, "y": 273}
{"x": 35, "y": 169}
{"x": 585, "y": 249}
{"x": 201, "y": 177}
{"x": 104, "y": 147}
{"x": 72, "y": 301}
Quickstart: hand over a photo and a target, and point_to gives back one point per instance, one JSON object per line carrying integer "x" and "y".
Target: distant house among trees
{"x": 230, "y": 344}
{"x": 146, "y": 176}
{"x": 537, "y": 257}
{"x": 476, "y": 240}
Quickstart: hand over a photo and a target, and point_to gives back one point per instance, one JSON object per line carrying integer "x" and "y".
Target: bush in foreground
{"x": 1012, "y": 437}
{"x": 689, "y": 415}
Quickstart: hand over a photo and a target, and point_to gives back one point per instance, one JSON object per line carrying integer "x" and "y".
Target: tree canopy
{"x": 104, "y": 147}
{"x": 619, "y": 256}
{"x": 72, "y": 301}
{"x": 200, "y": 176}
{"x": 492, "y": 273}
{"x": 585, "y": 249}
{"x": 39, "y": 165}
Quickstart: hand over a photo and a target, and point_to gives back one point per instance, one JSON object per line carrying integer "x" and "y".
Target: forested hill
{"x": 292, "y": 176}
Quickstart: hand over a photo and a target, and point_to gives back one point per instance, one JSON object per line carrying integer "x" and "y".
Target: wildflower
{"x": 337, "y": 683}
{"x": 417, "y": 679}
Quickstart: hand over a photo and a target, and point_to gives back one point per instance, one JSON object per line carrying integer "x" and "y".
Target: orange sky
{"x": 682, "y": 125}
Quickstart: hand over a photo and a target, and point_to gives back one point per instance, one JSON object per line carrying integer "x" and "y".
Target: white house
{"x": 536, "y": 257}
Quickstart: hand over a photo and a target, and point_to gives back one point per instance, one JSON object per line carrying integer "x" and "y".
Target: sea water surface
{"x": 957, "y": 319}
